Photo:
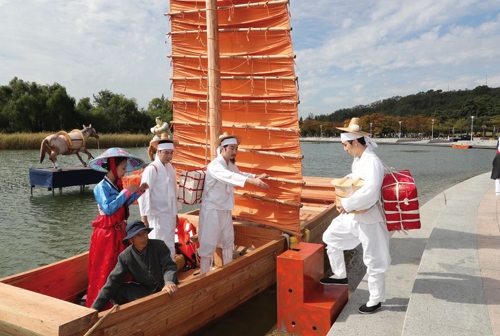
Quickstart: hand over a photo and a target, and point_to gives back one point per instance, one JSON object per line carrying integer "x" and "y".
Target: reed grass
{"x": 34, "y": 140}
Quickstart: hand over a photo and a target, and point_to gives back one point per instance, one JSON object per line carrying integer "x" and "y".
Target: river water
{"x": 41, "y": 229}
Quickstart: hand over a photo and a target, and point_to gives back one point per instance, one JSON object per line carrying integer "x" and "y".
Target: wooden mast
{"x": 214, "y": 87}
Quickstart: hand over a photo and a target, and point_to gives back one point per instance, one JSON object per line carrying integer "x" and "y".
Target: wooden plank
{"x": 205, "y": 294}
{"x": 211, "y": 302}
{"x": 321, "y": 182}
{"x": 246, "y": 235}
{"x": 227, "y": 303}
{"x": 9, "y": 329}
{"x": 42, "y": 314}
{"x": 62, "y": 280}
{"x": 320, "y": 224}
{"x": 318, "y": 189}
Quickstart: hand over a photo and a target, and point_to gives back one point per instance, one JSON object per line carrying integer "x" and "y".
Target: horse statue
{"x": 67, "y": 144}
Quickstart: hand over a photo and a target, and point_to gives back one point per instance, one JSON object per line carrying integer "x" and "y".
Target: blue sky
{"x": 348, "y": 52}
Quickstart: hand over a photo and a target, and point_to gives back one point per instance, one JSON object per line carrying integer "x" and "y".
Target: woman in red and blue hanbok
{"x": 109, "y": 226}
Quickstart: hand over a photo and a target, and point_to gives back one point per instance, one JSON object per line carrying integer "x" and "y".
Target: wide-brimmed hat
{"x": 133, "y": 162}
{"x": 134, "y": 228}
{"x": 354, "y": 127}
{"x": 162, "y": 139}
{"x": 225, "y": 136}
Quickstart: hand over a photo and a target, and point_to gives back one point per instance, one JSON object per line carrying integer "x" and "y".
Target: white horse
{"x": 66, "y": 144}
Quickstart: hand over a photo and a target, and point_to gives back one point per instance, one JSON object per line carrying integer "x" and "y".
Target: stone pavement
{"x": 444, "y": 278}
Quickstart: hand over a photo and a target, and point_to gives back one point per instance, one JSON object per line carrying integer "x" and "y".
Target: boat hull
{"x": 55, "y": 288}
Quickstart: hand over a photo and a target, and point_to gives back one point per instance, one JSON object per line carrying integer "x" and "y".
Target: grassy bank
{"x": 33, "y": 140}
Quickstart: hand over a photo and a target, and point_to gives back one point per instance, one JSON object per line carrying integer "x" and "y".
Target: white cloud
{"x": 349, "y": 52}
{"x": 397, "y": 48}
{"x": 87, "y": 46}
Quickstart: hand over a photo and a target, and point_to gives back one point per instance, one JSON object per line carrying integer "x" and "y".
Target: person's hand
{"x": 262, "y": 176}
{"x": 144, "y": 219}
{"x": 261, "y": 184}
{"x": 143, "y": 186}
{"x": 341, "y": 209}
{"x": 170, "y": 288}
{"x": 338, "y": 205}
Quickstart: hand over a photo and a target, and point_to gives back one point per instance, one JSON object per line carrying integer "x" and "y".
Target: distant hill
{"x": 482, "y": 102}
{"x": 425, "y": 114}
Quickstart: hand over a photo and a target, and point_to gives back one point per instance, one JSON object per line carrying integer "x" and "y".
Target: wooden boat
{"x": 254, "y": 96}
{"x": 461, "y": 145}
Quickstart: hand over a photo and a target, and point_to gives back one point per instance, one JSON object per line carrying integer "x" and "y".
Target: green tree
{"x": 160, "y": 107}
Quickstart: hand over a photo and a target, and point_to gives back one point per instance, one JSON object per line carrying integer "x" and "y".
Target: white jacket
{"x": 218, "y": 192}
{"x": 161, "y": 196}
{"x": 371, "y": 169}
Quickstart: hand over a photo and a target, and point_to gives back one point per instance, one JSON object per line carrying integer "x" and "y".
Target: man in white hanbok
{"x": 216, "y": 223}
{"x": 348, "y": 229}
{"x": 159, "y": 206}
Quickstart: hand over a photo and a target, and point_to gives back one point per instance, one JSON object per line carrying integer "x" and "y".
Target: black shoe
{"x": 369, "y": 310}
{"x": 332, "y": 281}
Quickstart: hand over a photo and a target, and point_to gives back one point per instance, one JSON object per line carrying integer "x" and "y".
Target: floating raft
{"x": 52, "y": 178}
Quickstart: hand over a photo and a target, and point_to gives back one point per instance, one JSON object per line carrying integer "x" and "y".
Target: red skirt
{"x": 105, "y": 246}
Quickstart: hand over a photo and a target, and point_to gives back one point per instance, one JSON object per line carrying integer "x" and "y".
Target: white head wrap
{"x": 229, "y": 141}
{"x": 351, "y": 136}
{"x": 165, "y": 145}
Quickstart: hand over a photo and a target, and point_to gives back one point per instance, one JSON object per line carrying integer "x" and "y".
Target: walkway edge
{"x": 407, "y": 252}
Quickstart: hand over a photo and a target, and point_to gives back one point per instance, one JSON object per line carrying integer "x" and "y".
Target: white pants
{"x": 215, "y": 230}
{"x": 497, "y": 187}
{"x": 164, "y": 229}
{"x": 345, "y": 234}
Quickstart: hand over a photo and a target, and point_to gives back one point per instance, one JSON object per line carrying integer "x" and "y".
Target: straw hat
{"x": 354, "y": 127}
{"x": 133, "y": 162}
{"x": 164, "y": 138}
{"x": 226, "y": 135}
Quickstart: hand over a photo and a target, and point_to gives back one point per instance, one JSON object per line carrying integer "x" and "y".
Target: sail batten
{"x": 258, "y": 100}
{"x": 229, "y": 101}
{"x": 256, "y": 4}
{"x": 225, "y": 30}
{"x": 246, "y": 57}
{"x": 238, "y": 126}
{"x": 237, "y": 77}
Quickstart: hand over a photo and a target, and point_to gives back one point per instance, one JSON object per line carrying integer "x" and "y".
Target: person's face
{"x": 121, "y": 169}
{"x": 229, "y": 152}
{"x": 165, "y": 155}
{"x": 140, "y": 240}
{"x": 350, "y": 147}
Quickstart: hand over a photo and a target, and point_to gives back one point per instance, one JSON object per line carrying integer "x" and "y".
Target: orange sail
{"x": 259, "y": 98}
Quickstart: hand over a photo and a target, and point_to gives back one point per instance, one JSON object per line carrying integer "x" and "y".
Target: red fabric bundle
{"x": 184, "y": 231}
{"x": 400, "y": 201}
